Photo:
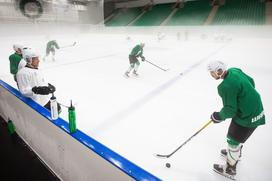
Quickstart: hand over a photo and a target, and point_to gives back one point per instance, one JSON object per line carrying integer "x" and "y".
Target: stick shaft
{"x": 69, "y": 45}
{"x": 155, "y": 65}
{"x": 203, "y": 127}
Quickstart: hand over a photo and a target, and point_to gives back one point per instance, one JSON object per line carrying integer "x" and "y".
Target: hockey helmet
{"x": 215, "y": 66}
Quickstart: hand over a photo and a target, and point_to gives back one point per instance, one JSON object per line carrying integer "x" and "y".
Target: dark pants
{"x": 132, "y": 59}
{"x": 239, "y": 133}
{"x": 48, "y": 50}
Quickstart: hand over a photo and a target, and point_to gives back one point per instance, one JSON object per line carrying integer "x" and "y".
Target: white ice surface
{"x": 157, "y": 111}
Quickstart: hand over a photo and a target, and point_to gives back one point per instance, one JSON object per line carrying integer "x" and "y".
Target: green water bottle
{"x": 11, "y": 127}
{"x": 72, "y": 118}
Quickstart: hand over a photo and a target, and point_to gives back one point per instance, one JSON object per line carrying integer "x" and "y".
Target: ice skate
{"x": 226, "y": 170}
{"x": 126, "y": 74}
{"x": 135, "y": 73}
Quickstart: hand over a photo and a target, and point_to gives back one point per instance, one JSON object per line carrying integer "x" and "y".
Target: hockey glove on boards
{"x": 44, "y": 90}
{"x": 216, "y": 118}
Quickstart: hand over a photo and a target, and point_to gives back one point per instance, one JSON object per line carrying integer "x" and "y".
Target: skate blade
{"x": 131, "y": 76}
{"x": 227, "y": 176}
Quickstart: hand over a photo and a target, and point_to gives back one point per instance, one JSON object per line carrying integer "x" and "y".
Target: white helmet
{"x": 25, "y": 51}
{"x": 28, "y": 54}
{"x": 216, "y": 65}
{"x": 16, "y": 47}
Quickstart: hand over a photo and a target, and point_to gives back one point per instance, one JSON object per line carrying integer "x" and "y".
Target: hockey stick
{"x": 167, "y": 156}
{"x": 69, "y": 45}
{"x": 156, "y": 65}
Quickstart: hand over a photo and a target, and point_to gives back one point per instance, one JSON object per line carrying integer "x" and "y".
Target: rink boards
{"x": 70, "y": 156}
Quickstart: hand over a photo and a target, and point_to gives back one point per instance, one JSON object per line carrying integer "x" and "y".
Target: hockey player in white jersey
{"x": 31, "y": 81}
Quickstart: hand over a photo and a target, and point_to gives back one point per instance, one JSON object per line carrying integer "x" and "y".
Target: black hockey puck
{"x": 168, "y": 165}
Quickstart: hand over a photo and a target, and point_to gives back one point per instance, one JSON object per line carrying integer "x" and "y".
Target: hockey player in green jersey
{"x": 136, "y": 52}
{"x": 50, "y": 48}
{"x": 242, "y": 103}
{"x": 15, "y": 59}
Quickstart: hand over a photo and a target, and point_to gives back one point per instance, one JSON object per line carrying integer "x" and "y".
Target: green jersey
{"x": 137, "y": 51}
{"x": 14, "y": 61}
{"x": 240, "y": 99}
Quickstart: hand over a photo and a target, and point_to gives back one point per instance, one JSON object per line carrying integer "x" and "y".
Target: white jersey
{"x": 27, "y": 78}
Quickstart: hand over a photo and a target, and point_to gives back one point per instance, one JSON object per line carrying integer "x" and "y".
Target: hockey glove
{"x": 216, "y": 118}
{"x": 52, "y": 88}
{"x": 44, "y": 90}
{"x": 143, "y": 58}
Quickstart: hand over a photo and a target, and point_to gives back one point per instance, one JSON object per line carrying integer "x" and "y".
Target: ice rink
{"x": 157, "y": 111}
